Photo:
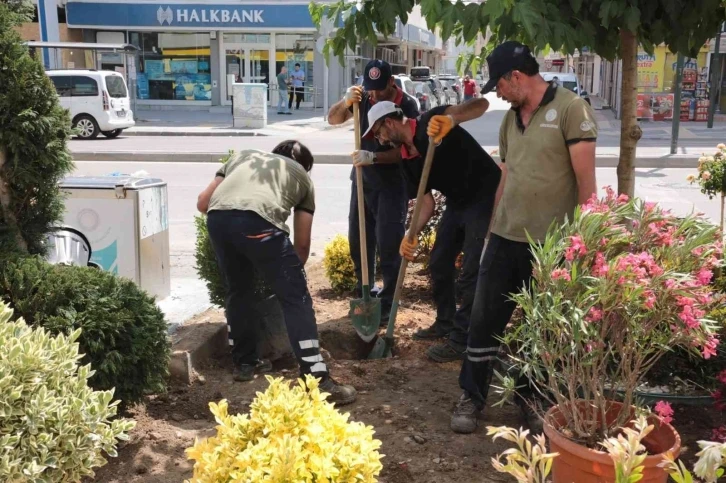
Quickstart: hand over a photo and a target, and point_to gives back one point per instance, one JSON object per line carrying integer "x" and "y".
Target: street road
{"x": 332, "y": 186}
{"x": 340, "y": 140}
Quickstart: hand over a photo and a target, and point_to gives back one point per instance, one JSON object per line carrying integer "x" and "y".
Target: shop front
{"x": 187, "y": 50}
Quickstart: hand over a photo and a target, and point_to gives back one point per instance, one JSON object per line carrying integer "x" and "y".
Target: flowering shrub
{"x": 291, "y": 434}
{"x": 53, "y": 426}
{"x": 427, "y": 235}
{"x": 612, "y": 291}
{"x": 711, "y": 173}
{"x": 339, "y": 266}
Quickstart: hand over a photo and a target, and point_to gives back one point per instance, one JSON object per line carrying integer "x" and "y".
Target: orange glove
{"x": 408, "y": 249}
{"x": 439, "y": 127}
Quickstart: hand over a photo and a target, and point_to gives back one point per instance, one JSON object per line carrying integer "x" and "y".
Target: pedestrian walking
{"x": 469, "y": 88}
{"x": 468, "y": 177}
{"x": 547, "y": 150}
{"x": 384, "y": 189}
{"x": 247, "y": 210}
{"x": 282, "y": 81}
{"x": 298, "y": 87}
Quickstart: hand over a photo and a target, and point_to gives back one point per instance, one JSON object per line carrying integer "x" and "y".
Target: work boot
{"x": 438, "y": 330}
{"x": 340, "y": 394}
{"x": 465, "y": 417}
{"x": 447, "y": 352}
{"x": 246, "y": 372}
{"x": 531, "y": 415}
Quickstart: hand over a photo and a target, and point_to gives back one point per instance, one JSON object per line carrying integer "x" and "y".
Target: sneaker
{"x": 531, "y": 415}
{"x": 280, "y": 113}
{"x": 246, "y": 372}
{"x": 465, "y": 417}
{"x": 446, "y": 352}
{"x": 340, "y": 394}
{"x": 436, "y": 331}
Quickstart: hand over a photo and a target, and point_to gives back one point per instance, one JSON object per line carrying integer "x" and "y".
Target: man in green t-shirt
{"x": 282, "y": 81}
{"x": 547, "y": 151}
{"x": 247, "y": 206}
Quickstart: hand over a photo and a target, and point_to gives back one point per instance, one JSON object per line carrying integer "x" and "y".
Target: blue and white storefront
{"x": 187, "y": 48}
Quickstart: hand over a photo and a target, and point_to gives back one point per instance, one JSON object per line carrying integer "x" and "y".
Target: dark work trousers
{"x": 385, "y": 226}
{"x": 245, "y": 243}
{"x": 297, "y": 93}
{"x": 506, "y": 267}
{"x": 460, "y": 229}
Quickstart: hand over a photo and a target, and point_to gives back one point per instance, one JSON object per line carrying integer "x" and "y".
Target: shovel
{"x": 366, "y": 311}
{"x": 383, "y": 347}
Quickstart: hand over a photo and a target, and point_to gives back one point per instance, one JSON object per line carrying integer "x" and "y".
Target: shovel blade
{"x": 366, "y": 317}
{"x": 380, "y": 350}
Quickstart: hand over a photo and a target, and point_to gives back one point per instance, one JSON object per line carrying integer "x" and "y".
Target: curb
{"x": 193, "y": 344}
{"x": 603, "y": 161}
{"x": 230, "y": 133}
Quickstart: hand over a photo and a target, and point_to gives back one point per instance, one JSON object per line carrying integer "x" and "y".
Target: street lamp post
{"x": 677, "y": 104}
{"x": 715, "y": 78}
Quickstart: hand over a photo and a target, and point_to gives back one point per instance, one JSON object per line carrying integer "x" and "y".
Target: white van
{"x": 98, "y": 101}
{"x": 568, "y": 81}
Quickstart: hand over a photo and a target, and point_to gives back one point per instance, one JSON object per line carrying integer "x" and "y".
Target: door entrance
{"x": 248, "y": 63}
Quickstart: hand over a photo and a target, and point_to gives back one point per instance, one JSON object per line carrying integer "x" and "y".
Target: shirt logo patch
{"x": 585, "y": 126}
{"x": 551, "y": 115}
{"x": 374, "y": 73}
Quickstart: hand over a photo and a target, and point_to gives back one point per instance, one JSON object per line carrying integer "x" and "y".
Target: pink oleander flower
{"x": 709, "y": 349}
{"x": 594, "y": 315}
{"x": 622, "y": 199}
{"x": 665, "y": 411}
{"x": 722, "y": 377}
{"x": 704, "y": 276}
{"x": 670, "y": 283}
{"x": 600, "y": 267}
{"x": 650, "y": 206}
{"x": 561, "y": 273}
{"x": 649, "y": 299}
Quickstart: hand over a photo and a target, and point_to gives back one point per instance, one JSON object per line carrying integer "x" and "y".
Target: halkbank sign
{"x": 185, "y": 16}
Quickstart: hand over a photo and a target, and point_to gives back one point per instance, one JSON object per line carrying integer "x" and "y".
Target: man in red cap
{"x": 385, "y": 194}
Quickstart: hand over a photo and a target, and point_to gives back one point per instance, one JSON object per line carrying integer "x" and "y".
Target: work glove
{"x": 352, "y": 95}
{"x": 439, "y": 127}
{"x": 363, "y": 158}
{"x": 408, "y": 249}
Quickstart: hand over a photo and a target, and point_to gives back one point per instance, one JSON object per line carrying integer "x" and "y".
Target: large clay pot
{"x": 580, "y": 464}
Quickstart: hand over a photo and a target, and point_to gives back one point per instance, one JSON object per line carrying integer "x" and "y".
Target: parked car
{"x": 425, "y": 96}
{"x": 405, "y": 83}
{"x": 423, "y": 74}
{"x": 455, "y": 84}
{"x": 451, "y": 91}
{"x": 568, "y": 81}
{"x": 98, "y": 101}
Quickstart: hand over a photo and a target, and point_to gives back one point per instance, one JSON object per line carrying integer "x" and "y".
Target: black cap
{"x": 504, "y": 59}
{"x": 377, "y": 75}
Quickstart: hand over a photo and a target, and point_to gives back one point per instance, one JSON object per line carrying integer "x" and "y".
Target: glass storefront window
{"x": 173, "y": 66}
{"x": 291, "y": 49}
{"x": 246, "y": 38}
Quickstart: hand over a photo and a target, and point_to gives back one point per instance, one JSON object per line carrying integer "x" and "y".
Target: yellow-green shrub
{"x": 53, "y": 427}
{"x": 339, "y": 266}
{"x": 291, "y": 435}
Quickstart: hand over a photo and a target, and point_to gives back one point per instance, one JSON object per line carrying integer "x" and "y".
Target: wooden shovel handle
{"x": 361, "y": 205}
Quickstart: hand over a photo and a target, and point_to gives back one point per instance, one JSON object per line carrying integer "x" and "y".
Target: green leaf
{"x": 525, "y": 15}
{"x": 632, "y": 18}
{"x": 576, "y": 5}
{"x": 471, "y": 22}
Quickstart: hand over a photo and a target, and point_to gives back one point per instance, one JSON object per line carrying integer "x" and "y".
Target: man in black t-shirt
{"x": 384, "y": 189}
{"x": 468, "y": 177}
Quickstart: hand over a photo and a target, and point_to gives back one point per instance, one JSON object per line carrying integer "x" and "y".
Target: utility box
{"x": 249, "y": 105}
{"x": 126, "y": 222}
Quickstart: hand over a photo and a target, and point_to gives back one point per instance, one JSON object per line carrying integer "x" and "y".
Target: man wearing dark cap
{"x": 385, "y": 193}
{"x": 547, "y": 151}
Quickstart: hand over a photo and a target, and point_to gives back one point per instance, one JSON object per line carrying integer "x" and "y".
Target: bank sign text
{"x": 209, "y": 15}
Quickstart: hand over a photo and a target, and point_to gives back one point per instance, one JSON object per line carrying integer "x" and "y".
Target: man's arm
{"x": 303, "y": 227}
{"x": 427, "y": 211}
{"x": 206, "y": 195}
{"x": 339, "y": 113}
{"x": 467, "y": 111}
{"x": 583, "y": 163}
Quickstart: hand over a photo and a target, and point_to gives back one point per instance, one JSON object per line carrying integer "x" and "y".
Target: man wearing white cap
{"x": 468, "y": 177}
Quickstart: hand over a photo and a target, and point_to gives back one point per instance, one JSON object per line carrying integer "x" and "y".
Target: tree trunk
{"x": 630, "y": 131}
{"x": 5, "y": 202}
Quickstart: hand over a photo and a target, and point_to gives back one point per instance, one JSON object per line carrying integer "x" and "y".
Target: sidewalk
{"x": 205, "y": 123}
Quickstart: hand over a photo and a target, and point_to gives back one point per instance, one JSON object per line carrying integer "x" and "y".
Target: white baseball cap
{"x": 378, "y": 112}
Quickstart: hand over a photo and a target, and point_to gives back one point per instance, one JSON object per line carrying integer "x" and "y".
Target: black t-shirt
{"x": 461, "y": 169}
{"x": 380, "y": 176}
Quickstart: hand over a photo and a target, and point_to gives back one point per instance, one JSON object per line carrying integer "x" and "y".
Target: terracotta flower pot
{"x": 579, "y": 464}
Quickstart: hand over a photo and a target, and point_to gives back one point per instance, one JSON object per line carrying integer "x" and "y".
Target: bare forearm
{"x": 468, "y": 111}
{"x": 392, "y": 156}
{"x": 586, "y": 187}
{"x": 303, "y": 252}
{"x": 338, "y": 114}
{"x": 427, "y": 211}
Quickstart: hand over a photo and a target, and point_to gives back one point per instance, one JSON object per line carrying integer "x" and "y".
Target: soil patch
{"x": 407, "y": 399}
